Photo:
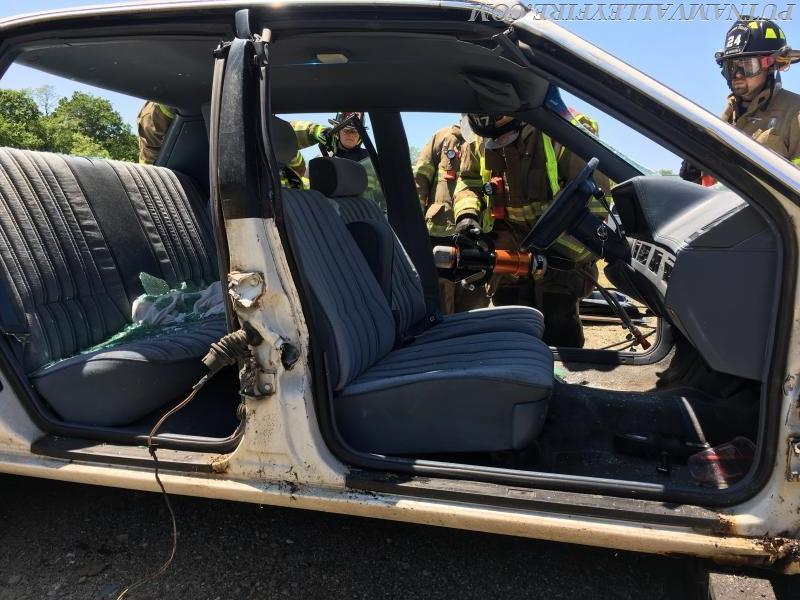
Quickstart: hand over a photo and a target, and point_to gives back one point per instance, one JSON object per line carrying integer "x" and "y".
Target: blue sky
{"x": 680, "y": 54}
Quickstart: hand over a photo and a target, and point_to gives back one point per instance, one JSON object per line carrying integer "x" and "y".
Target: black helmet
{"x": 752, "y": 36}
{"x": 485, "y": 125}
{"x": 341, "y": 116}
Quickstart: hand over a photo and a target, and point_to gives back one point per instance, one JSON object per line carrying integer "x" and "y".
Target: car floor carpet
{"x": 578, "y": 437}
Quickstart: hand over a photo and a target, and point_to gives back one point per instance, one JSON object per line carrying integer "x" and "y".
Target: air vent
{"x": 655, "y": 262}
{"x": 667, "y": 271}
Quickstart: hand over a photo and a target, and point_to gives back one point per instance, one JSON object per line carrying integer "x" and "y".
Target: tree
{"x": 666, "y": 172}
{"x": 45, "y": 97}
{"x": 20, "y": 121}
{"x": 414, "y": 152}
{"x": 85, "y": 118}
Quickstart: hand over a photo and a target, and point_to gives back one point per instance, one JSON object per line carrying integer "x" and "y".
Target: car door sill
{"x": 498, "y": 495}
{"x": 90, "y": 451}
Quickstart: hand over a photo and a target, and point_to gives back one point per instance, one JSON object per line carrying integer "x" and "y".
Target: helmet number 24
{"x": 734, "y": 40}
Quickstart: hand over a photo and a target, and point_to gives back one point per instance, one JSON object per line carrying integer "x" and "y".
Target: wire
{"x": 153, "y": 448}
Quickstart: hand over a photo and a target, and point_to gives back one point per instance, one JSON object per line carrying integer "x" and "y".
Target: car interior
{"x": 408, "y": 386}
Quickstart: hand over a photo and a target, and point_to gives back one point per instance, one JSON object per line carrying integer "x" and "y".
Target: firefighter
{"x": 436, "y": 174}
{"x": 345, "y": 143}
{"x": 755, "y": 52}
{"x": 152, "y": 123}
{"x": 508, "y": 177}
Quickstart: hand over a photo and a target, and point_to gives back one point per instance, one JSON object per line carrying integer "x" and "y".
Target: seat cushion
{"x": 478, "y": 393}
{"x": 521, "y": 319}
{"x": 119, "y": 385}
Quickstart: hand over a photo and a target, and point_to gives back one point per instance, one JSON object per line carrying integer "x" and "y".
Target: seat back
{"x": 74, "y": 235}
{"x": 350, "y": 313}
{"x": 344, "y": 181}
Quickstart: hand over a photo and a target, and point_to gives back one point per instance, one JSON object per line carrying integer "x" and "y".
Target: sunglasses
{"x": 748, "y": 66}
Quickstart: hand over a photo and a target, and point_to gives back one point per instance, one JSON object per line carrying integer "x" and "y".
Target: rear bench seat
{"x": 478, "y": 390}
{"x": 74, "y": 235}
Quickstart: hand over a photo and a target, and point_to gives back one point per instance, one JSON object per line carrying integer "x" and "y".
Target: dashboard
{"x": 704, "y": 260}
{"x": 653, "y": 262}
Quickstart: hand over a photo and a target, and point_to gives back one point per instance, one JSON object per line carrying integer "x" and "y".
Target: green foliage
{"x": 20, "y": 120}
{"x": 666, "y": 172}
{"x": 414, "y": 153}
{"x": 81, "y": 125}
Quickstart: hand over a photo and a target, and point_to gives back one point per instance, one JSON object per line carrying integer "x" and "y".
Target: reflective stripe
{"x": 486, "y": 175}
{"x": 168, "y": 112}
{"x": 796, "y": 161}
{"x": 487, "y": 220}
{"x": 308, "y": 133}
{"x": 573, "y": 248}
{"x": 551, "y": 164}
{"x": 469, "y": 204}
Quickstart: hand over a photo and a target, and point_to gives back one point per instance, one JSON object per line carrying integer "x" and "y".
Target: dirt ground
{"x": 602, "y": 335}
{"x": 80, "y": 542}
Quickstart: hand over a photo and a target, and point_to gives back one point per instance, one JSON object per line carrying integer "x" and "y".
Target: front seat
{"x": 472, "y": 393}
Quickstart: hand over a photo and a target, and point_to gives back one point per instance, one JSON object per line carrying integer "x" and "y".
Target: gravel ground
{"x": 71, "y": 541}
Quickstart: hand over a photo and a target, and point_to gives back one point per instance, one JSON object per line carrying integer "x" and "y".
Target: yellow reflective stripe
{"x": 576, "y": 251}
{"x": 469, "y": 182}
{"x": 440, "y": 230}
{"x": 468, "y": 204}
{"x": 486, "y": 175}
{"x": 796, "y": 161}
{"x": 168, "y": 112}
{"x": 487, "y": 222}
{"x": 308, "y": 133}
{"x": 551, "y": 163}
{"x": 524, "y": 214}
{"x": 596, "y": 208}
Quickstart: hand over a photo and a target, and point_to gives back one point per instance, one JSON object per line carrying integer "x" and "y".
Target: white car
{"x": 353, "y": 394}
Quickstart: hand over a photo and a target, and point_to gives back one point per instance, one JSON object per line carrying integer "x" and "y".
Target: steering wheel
{"x": 564, "y": 211}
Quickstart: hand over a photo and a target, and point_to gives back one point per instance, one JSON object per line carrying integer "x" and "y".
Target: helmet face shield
{"x": 747, "y": 66}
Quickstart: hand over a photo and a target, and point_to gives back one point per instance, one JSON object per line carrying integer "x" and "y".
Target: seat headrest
{"x": 284, "y": 141}
{"x": 337, "y": 177}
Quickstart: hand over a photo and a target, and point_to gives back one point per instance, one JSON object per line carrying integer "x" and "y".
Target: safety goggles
{"x": 748, "y": 66}
{"x": 349, "y": 129}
